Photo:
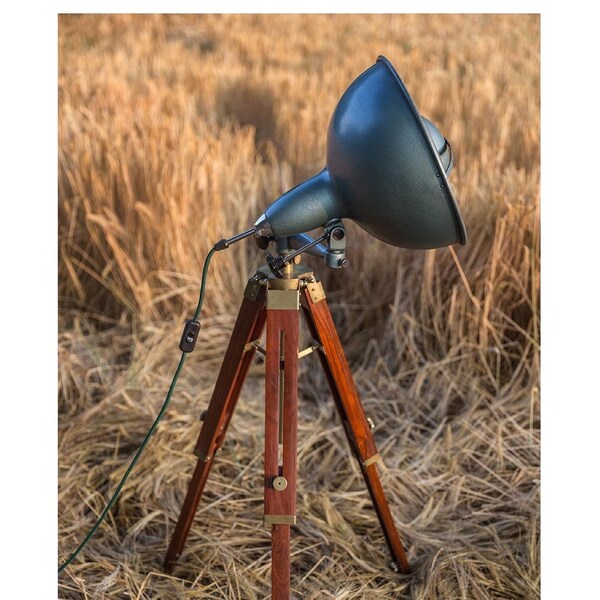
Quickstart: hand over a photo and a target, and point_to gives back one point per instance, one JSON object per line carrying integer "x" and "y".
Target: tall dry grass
{"x": 175, "y": 131}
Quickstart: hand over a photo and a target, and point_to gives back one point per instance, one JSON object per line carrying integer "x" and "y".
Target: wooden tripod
{"x": 278, "y": 302}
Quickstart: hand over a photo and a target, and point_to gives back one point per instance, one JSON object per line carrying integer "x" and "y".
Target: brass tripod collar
{"x": 286, "y": 299}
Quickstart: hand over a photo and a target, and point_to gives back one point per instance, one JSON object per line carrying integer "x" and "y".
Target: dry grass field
{"x": 175, "y": 131}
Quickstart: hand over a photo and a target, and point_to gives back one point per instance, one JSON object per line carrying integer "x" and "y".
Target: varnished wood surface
{"x": 321, "y": 323}
{"x": 248, "y": 327}
{"x": 186, "y": 516}
{"x": 280, "y": 562}
{"x": 351, "y": 412}
{"x": 281, "y": 502}
{"x": 371, "y": 477}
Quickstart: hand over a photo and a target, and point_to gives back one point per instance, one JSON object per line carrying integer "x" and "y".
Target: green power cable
{"x": 160, "y": 415}
{"x": 203, "y": 282}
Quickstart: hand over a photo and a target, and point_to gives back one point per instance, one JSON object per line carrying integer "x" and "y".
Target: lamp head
{"x": 386, "y": 170}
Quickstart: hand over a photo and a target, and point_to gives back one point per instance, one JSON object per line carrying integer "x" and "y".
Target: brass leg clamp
{"x": 279, "y": 519}
{"x": 201, "y": 456}
{"x": 371, "y": 460}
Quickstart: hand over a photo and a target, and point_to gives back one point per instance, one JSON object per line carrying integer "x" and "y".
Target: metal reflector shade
{"x": 386, "y": 170}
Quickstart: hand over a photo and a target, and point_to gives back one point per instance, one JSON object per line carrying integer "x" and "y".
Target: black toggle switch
{"x": 189, "y": 335}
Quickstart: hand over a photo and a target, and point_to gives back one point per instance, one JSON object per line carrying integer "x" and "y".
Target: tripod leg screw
{"x": 280, "y": 483}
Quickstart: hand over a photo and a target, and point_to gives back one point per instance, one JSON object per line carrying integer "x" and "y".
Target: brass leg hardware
{"x": 314, "y": 346}
{"x": 276, "y": 302}
{"x": 255, "y": 345}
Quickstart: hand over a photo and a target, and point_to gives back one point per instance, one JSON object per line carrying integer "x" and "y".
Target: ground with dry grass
{"x": 175, "y": 131}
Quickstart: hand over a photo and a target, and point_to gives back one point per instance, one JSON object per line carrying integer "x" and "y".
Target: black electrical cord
{"x": 160, "y": 415}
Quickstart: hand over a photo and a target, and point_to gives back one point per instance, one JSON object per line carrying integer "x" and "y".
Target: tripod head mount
{"x": 290, "y": 248}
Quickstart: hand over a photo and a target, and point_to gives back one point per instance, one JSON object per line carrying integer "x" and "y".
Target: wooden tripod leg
{"x": 281, "y": 413}
{"x": 238, "y": 356}
{"x": 348, "y": 403}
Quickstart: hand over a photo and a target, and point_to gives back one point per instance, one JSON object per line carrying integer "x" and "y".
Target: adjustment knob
{"x": 280, "y": 483}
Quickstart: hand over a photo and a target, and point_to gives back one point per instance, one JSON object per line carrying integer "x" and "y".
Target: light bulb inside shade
{"x": 441, "y": 144}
